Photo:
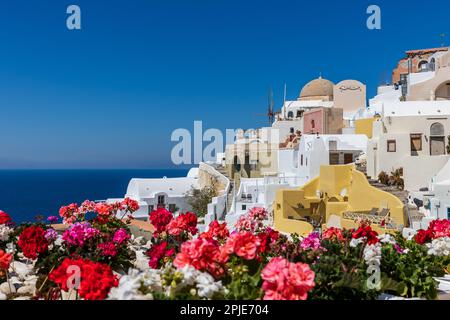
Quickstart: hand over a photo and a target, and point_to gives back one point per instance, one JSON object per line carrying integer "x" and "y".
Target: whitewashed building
{"x": 163, "y": 192}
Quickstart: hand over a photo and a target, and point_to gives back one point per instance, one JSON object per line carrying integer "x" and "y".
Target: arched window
{"x": 437, "y": 139}
{"x": 437, "y": 129}
{"x": 290, "y": 114}
{"x": 423, "y": 65}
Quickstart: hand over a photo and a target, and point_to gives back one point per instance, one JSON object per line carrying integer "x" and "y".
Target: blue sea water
{"x": 24, "y": 194}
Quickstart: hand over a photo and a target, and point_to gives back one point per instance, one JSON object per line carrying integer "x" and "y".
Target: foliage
{"x": 199, "y": 199}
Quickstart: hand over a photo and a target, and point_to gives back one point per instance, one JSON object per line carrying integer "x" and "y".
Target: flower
{"x": 130, "y": 204}
{"x": 87, "y": 206}
{"x": 51, "y": 235}
{"x": 365, "y": 231}
{"x": 217, "y": 231}
{"x": 4, "y": 217}
{"x": 258, "y": 213}
{"x": 184, "y": 222}
{"x": 284, "y": 280}
{"x": 103, "y": 209}
{"x": 423, "y": 236}
{"x": 79, "y": 233}
{"x": 243, "y": 244}
{"x": 312, "y": 241}
{"x": 160, "y": 218}
{"x": 333, "y": 233}
{"x": 52, "y": 219}
{"x": 157, "y": 253}
{"x": 32, "y": 242}
{"x": 440, "y": 228}
{"x": 5, "y": 260}
{"x": 107, "y": 249}
{"x": 120, "y": 236}
{"x": 203, "y": 255}
{"x": 439, "y": 247}
{"x": 95, "y": 282}
{"x": 69, "y": 213}
{"x": 5, "y": 231}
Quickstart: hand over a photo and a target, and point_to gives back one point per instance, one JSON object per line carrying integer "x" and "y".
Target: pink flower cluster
{"x": 79, "y": 233}
{"x": 312, "y": 241}
{"x": 284, "y": 280}
{"x": 157, "y": 253}
{"x": 203, "y": 255}
{"x": 252, "y": 221}
{"x": 184, "y": 222}
{"x": 244, "y": 244}
{"x": 120, "y": 236}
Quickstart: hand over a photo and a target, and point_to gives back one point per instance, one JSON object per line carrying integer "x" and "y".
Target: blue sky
{"x": 110, "y": 95}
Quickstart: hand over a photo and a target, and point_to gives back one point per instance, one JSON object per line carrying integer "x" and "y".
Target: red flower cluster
{"x": 130, "y": 205}
{"x": 266, "y": 238}
{"x": 96, "y": 279}
{"x": 107, "y": 249}
{"x": 244, "y": 244}
{"x": 5, "y": 260}
{"x": 436, "y": 229}
{"x": 4, "y": 217}
{"x": 160, "y": 218}
{"x": 333, "y": 233}
{"x": 284, "y": 280}
{"x": 184, "y": 222}
{"x": 157, "y": 253}
{"x": 203, "y": 255}
{"x": 366, "y": 231}
{"x": 217, "y": 231}
{"x": 103, "y": 209}
{"x": 69, "y": 213}
{"x": 32, "y": 242}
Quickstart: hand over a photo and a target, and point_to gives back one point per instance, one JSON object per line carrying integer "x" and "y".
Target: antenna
{"x": 442, "y": 35}
{"x": 284, "y": 102}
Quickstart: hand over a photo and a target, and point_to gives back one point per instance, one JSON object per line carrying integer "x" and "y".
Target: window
{"x": 423, "y": 65}
{"x": 172, "y": 208}
{"x": 290, "y": 114}
{"x": 448, "y": 213}
{"x": 332, "y": 145}
{"x": 244, "y": 207}
{"x": 291, "y": 130}
{"x": 150, "y": 208}
{"x": 161, "y": 200}
{"x": 306, "y": 161}
{"x": 299, "y": 113}
{"x": 313, "y": 124}
{"x": 437, "y": 139}
{"x": 416, "y": 143}
{"x": 391, "y": 146}
{"x": 301, "y": 160}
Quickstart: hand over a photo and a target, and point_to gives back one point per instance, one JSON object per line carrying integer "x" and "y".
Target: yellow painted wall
{"x": 359, "y": 196}
{"x": 364, "y": 126}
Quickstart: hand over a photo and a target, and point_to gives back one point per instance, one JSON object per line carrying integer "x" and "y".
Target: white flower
{"x": 207, "y": 287}
{"x": 387, "y": 238}
{"x": 5, "y": 231}
{"x": 439, "y": 247}
{"x": 372, "y": 254}
{"x": 128, "y": 288}
{"x": 356, "y": 242}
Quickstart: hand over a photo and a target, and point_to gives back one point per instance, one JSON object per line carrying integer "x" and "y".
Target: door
{"x": 348, "y": 158}
{"x": 437, "y": 146}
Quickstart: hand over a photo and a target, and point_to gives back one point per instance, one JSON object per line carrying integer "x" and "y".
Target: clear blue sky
{"x": 109, "y": 95}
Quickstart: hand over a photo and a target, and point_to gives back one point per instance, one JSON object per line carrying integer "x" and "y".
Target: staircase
{"x": 230, "y": 194}
{"x": 411, "y": 211}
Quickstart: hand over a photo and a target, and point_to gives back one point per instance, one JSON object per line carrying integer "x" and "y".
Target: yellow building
{"x": 338, "y": 197}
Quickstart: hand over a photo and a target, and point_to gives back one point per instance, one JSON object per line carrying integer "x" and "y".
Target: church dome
{"x": 317, "y": 88}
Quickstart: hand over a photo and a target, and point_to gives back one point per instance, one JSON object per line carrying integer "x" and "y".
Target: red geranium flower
{"x": 4, "y": 217}
{"x": 184, "y": 222}
{"x": 5, "y": 260}
{"x": 157, "y": 253}
{"x": 160, "y": 218}
{"x": 130, "y": 204}
{"x": 367, "y": 232}
{"x": 32, "y": 242}
{"x": 95, "y": 279}
{"x": 216, "y": 230}
{"x": 423, "y": 236}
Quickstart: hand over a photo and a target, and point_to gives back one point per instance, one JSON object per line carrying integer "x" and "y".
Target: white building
{"x": 164, "y": 192}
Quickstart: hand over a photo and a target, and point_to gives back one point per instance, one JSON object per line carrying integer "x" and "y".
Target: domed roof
{"x": 317, "y": 88}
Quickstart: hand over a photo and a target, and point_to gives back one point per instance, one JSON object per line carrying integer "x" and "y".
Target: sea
{"x": 27, "y": 194}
